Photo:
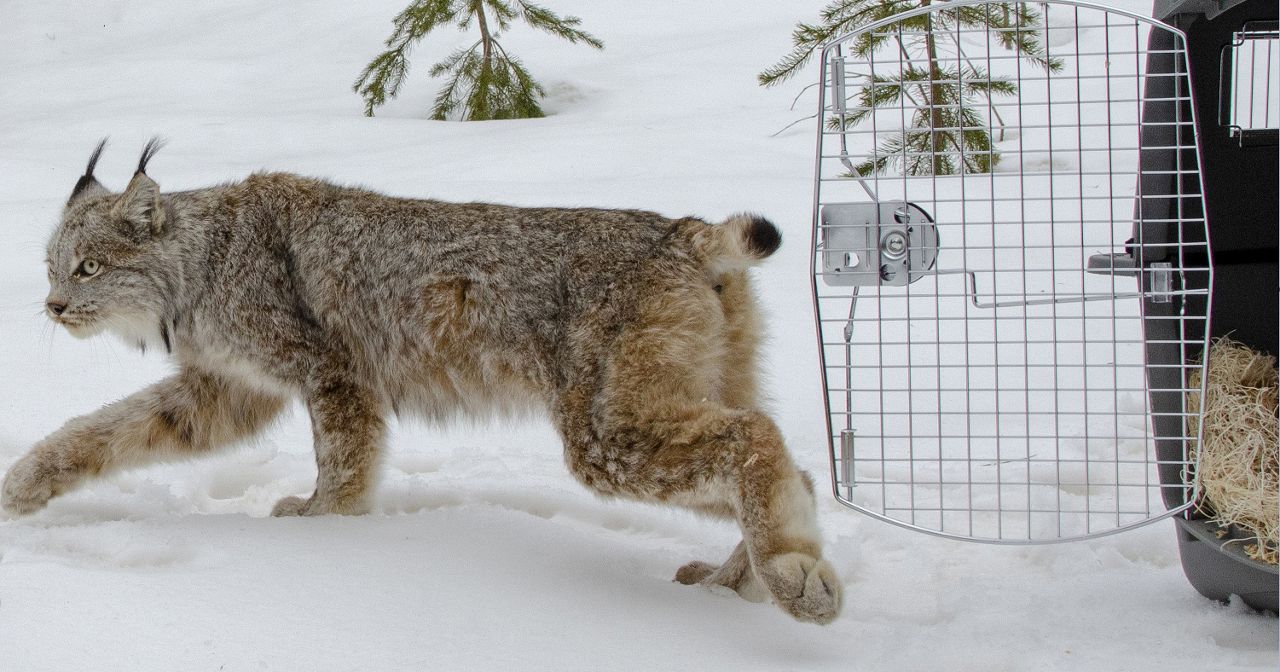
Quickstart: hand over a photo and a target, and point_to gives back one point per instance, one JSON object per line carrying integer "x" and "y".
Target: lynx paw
{"x": 28, "y": 486}
{"x": 695, "y": 572}
{"x": 313, "y": 506}
{"x": 292, "y": 506}
{"x": 735, "y": 574}
{"x": 804, "y": 586}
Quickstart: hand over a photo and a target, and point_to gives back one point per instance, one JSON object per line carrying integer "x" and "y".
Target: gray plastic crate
{"x": 1238, "y": 143}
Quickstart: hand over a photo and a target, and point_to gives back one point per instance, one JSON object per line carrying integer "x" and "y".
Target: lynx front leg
{"x": 182, "y": 416}
{"x": 347, "y": 426}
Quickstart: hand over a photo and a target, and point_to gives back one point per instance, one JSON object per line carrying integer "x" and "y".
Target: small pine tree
{"x": 946, "y": 95}
{"x": 485, "y": 82}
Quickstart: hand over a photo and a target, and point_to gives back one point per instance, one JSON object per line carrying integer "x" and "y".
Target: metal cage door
{"x": 1010, "y": 263}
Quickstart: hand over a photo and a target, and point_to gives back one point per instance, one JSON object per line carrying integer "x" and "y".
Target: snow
{"x": 482, "y": 552}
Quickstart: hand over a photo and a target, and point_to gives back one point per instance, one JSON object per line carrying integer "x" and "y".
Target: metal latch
{"x": 893, "y": 243}
{"x": 1161, "y": 282}
{"x": 1160, "y": 274}
{"x": 1119, "y": 263}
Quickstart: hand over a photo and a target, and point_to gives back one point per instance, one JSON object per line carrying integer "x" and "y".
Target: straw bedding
{"x": 1239, "y": 474}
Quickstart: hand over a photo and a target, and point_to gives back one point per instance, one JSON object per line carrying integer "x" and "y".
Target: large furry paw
{"x": 695, "y": 572}
{"x": 292, "y": 506}
{"x": 804, "y": 586}
{"x": 28, "y": 486}
{"x": 313, "y": 506}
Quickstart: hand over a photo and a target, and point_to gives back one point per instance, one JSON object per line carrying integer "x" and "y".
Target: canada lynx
{"x": 636, "y": 333}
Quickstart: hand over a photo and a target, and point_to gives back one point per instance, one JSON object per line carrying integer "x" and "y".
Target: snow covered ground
{"x": 482, "y": 553}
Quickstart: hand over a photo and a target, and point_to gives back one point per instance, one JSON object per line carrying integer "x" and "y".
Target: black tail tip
{"x": 763, "y": 237}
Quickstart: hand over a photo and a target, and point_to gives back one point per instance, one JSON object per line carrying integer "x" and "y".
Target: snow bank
{"x": 482, "y": 553}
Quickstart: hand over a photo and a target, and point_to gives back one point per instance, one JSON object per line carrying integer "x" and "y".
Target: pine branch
{"x": 500, "y": 88}
{"x": 806, "y": 38}
{"x": 450, "y": 62}
{"x": 381, "y": 79}
{"x": 979, "y": 82}
{"x": 882, "y": 159}
{"x": 563, "y": 27}
{"x": 949, "y": 130}
{"x": 448, "y": 98}
{"x": 946, "y": 135}
{"x": 866, "y": 44}
{"x": 879, "y": 91}
{"x": 503, "y": 13}
{"x": 1017, "y": 27}
{"x": 484, "y": 81}
{"x": 520, "y": 90}
{"x": 837, "y": 18}
{"x": 420, "y": 18}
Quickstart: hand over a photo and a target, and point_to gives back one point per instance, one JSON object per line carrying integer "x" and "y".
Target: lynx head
{"x": 106, "y": 266}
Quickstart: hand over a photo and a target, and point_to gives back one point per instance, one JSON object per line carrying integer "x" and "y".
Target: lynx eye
{"x": 88, "y": 268}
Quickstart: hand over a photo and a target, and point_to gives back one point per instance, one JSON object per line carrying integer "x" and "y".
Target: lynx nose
{"x": 55, "y": 307}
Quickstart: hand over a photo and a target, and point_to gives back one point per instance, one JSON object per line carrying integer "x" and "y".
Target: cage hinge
{"x": 846, "y": 458}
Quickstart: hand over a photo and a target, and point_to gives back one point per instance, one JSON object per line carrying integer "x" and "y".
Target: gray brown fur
{"x": 635, "y": 332}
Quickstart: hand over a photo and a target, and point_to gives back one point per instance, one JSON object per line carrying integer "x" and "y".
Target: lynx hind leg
{"x": 777, "y": 513}
{"x": 658, "y": 431}
{"x": 742, "y": 333}
{"x": 770, "y": 499}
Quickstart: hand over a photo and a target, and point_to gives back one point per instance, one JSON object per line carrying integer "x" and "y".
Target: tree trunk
{"x": 936, "y": 138}
{"x": 486, "y": 40}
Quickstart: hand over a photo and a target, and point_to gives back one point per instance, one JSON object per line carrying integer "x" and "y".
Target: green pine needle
{"x": 482, "y": 81}
{"x": 950, "y": 130}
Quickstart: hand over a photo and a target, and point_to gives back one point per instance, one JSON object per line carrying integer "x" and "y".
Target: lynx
{"x": 637, "y": 335}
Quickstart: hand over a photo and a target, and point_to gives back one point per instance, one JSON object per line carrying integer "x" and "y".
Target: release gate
{"x": 1007, "y": 213}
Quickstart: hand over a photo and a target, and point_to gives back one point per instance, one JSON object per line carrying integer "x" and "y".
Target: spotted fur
{"x": 636, "y": 333}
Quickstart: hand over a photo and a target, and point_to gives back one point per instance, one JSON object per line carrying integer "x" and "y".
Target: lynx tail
{"x": 741, "y": 241}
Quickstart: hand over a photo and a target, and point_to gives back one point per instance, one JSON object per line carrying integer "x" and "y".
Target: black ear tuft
{"x": 88, "y": 179}
{"x": 93, "y": 158}
{"x": 153, "y": 145}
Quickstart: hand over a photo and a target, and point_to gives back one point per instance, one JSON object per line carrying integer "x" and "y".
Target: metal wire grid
{"x": 1252, "y": 67}
{"x": 998, "y": 390}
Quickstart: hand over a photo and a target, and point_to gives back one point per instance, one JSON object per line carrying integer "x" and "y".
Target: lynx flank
{"x": 636, "y": 333}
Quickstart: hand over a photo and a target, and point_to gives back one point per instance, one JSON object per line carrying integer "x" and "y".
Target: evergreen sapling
{"x": 948, "y": 132}
{"x": 484, "y": 80}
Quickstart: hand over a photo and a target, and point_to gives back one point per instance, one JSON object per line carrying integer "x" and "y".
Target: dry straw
{"x": 1239, "y": 474}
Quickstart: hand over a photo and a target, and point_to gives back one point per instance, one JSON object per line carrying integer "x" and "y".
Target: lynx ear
{"x": 88, "y": 185}
{"x": 140, "y": 206}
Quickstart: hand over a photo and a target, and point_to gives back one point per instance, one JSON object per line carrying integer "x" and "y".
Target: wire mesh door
{"x": 981, "y": 316}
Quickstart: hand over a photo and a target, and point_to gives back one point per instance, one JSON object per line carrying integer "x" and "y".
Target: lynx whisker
{"x": 635, "y": 334}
